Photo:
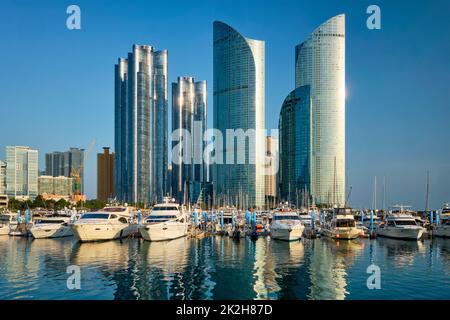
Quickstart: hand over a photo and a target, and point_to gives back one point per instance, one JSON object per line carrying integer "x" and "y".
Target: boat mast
{"x": 428, "y": 191}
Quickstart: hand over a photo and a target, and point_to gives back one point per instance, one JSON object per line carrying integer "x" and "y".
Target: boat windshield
{"x": 345, "y": 223}
{"x": 405, "y": 223}
{"x": 113, "y": 209}
{"x": 49, "y": 221}
{"x": 285, "y": 217}
{"x": 169, "y": 208}
{"x": 160, "y": 218}
{"x": 4, "y": 218}
{"x": 95, "y": 216}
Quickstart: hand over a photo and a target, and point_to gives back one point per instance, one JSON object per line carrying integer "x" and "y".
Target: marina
{"x": 166, "y": 253}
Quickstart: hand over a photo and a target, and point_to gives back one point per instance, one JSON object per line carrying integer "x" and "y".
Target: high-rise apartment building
{"x": 105, "y": 175}
{"x": 188, "y": 130}
{"x": 21, "y": 172}
{"x": 141, "y": 136}
{"x": 65, "y": 164}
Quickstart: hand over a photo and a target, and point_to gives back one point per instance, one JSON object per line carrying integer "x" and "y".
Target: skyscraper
{"x": 239, "y": 104}
{"x": 105, "y": 175}
{"x": 271, "y": 171}
{"x": 21, "y": 172}
{"x": 65, "y": 164}
{"x": 141, "y": 125}
{"x": 189, "y": 118}
{"x": 318, "y": 124}
{"x": 295, "y": 146}
{"x": 2, "y": 178}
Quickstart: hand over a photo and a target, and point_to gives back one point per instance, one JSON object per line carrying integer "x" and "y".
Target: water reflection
{"x": 329, "y": 262}
{"x": 220, "y": 268}
{"x": 400, "y": 253}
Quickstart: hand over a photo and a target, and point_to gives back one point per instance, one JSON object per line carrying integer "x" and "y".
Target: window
{"x": 95, "y": 216}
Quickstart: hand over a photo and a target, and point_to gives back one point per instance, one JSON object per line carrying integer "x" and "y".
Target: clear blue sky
{"x": 57, "y": 86}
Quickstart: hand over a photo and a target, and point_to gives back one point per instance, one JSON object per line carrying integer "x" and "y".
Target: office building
{"x": 312, "y": 119}
{"x": 239, "y": 105}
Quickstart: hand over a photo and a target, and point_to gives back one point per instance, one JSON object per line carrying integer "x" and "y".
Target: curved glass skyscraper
{"x": 239, "y": 103}
{"x": 141, "y": 125}
{"x": 295, "y": 145}
{"x": 320, "y": 64}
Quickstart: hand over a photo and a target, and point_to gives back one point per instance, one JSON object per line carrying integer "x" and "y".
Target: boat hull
{"x": 163, "y": 231}
{"x": 287, "y": 234}
{"x": 442, "y": 231}
{"x": 401, "y": 233}
{"x": 4, "y": 230}
{"x": 43, "y": 232}
{"x": 342, "y": 234}
{"x": 102, "y": 232}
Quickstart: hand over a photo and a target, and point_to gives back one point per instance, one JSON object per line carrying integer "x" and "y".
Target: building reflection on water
{"x": 217, "y": 268}
{"x": 329, "y": 261}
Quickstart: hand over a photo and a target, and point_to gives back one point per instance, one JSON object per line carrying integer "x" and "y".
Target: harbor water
{"x": 222, "y": 268}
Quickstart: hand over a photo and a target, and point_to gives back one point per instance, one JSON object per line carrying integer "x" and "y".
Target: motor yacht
{"x": 8, "y": 222}
{"x": 342, "y": 226}
{"x": 400, "y": 225}
{"x": 111, "y": 222}
{"x": 166, "y": 221}
{"x": 286, "y": 225}
{"x": 51, "y": 227}
{"x": 443, "y": 228}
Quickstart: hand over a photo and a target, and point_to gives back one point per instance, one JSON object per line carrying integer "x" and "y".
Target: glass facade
{"x": 295, "y": 145}
{"x": 141, "y": 126}
{"x": 239, "y": 103}
{"x": 64, "y": 163}
{"x": 2, "y": 178}
{"x": 320, "y": 63}
{"x": 21, "y": 172}
{"x": 188, "y": 113}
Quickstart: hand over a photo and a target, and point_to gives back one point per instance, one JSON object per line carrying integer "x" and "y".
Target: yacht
{"x": 443, "y": 228}
{"x": 8, "y": 222}
{"x": 51, "y": 227}
{"x": 342, "y": 226}
{"x": 286, "y": 225}
{"x": 166, "y": 221}
{"x": 109, "y": 223}
{"x": 400, "y": 225}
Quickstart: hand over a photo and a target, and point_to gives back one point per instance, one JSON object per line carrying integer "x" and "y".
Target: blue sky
{"x": 57, "y": 88}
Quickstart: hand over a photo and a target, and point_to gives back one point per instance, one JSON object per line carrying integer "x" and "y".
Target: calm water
{"x": 219, "y": 268}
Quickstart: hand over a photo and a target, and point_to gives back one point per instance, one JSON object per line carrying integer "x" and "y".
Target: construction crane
{"x": 76, "y": 174}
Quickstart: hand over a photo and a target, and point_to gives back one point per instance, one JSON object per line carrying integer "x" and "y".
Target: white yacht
{"x": 342, "y": 226}
{"x": 51, "y": 227}
{"x": 8, "y": 223}
{"x": 166, "y": 221}
{"x": 286, "y": 225}
{"x": 400, "y": 225}
{"x": 111, "y": 222}
{"x": 443, "y": 228}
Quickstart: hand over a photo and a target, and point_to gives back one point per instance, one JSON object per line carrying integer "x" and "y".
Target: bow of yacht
{"x": 166, "y": 221}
